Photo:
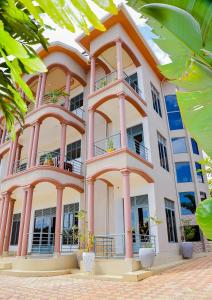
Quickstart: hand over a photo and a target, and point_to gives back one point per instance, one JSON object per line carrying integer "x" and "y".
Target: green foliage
{"x": 204, "y": 217}
{"x": 21, "y": 27}
{"x": 183, "y": 29}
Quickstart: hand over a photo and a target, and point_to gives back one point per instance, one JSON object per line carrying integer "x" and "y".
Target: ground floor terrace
{"x": 118, "y": 205}
{"x": 190, "y": 280}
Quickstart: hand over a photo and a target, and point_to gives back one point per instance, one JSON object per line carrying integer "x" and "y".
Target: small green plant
{"x": 86, "y": 238}
{"x": 188, "y": 232}
{"x": 55, "y": 95}
{"x": 110, "y": 145}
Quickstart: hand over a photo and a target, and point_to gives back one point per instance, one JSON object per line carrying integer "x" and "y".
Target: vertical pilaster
{"x": 91, "y": 133}
{"x": 6, "y": 197}
{"x": 9, "y": 225}
{"x": 93, "y": 74}
{"x": 42, "y": 89}
{"x": 62, "y": 145}
{"x": 38, "y": 91}
{"x": 122, "y": 118}
{"x": 21, "y": 229}
{"x": 68, "y": 89}
{"x": 58, "y": 219}
{"x": 127, "y": 213}
{"x": 13, "y": 154}
{"x": 31, "y": 147}
{"x": 35, "y": 143}
{"x": 119, "y": 59}
{"x": 90, "y": 183}
{"x": 27, "y": 220}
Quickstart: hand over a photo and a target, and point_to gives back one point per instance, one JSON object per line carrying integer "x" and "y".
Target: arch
{"x": 139, "y": 172}
{"x": 115, "y": 96}
{"x": 124, "y": 46}
{"x": 103, "y": 66}
{"x": 107, "y": 182}
{"x": 61, "y": 119}
{"x": 103, "y": 115}
{"x": 67, "y": 70}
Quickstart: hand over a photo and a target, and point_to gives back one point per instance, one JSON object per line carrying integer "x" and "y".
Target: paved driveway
{"x": 192, "y": 280}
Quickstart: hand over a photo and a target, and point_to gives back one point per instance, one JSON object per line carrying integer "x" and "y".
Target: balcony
{"x": 113, "y": 143}
{"x": 112, "y": 77}
{"x": 51, "y": 159}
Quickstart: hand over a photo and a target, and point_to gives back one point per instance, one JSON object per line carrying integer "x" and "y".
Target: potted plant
{"x": 147, "y": 250}
{"x": 48, "y": 160}
{"x": 54, "y": 96}
{"x": 110, "y": 146}
{"x": 188, "y": 233}
{"x": 86, "y": 243}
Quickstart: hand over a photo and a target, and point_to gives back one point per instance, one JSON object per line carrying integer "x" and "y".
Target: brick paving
{"x": 192, "y": 280}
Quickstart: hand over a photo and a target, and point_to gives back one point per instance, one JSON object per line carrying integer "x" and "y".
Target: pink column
{"x": 9, "y": 225}
{"x": 4, "y": 134}
{"x": 62, "y": 145}
{"x": 90, "y": 182}
{"x": 93, "y": 74}
{"x": 6, "y": 197}
{"x": 9, "y": 157}
{"x": 1, "y": 134}
{"x": 91, "y": 133}
{"x": 13, "y": 154}
{"x": 122, "y": 118}
{"x": 18, "y": 154}
{"x": 127, "y": 213}
{"x": 38, "y": 91}
{"x": 68, "y": 89}
{"x": 119, "y": 59}
{"x": 31, "y": 147}
{"x": 58, "y": 220}
{"x": 42, "y": 89}
{"x": 21, "y": 229}
{"x": 1, "y": 209}
{"x": 35, "y": 144}
{"x": 27, "y": 221}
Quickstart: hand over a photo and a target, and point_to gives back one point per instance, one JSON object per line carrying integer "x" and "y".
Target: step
{"x": 137, "y": 275}
{"x": 20, "y": 273}
{"x": 5, "y": 265}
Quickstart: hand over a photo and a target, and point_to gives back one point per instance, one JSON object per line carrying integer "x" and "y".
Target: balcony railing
{"x": 111, "y": 77}
{"x": 105, "y": 80}
{"x": 60, "y": 100}
{"x": 113, "y": 245}
{"x": 42, "y": 243}
{"x": 51, "y": 159}
{"x": 114, "y": 142}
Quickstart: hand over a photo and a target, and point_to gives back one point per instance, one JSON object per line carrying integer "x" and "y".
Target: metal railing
{"x": 113, "y": 245}
{"x": 42, "y": 243}
{"x": 105, "y": 80}
{"x": 49, "y": 158}
{"x": 70, "y": 240}
{"x": 132, "y": 84}
{"x": 137, "y": 147}
{"x": 107, "y": 145}
{"x": 113, "y": 142}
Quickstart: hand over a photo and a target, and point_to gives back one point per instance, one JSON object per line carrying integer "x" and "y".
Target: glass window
{"x": 194, "y": 146}
{"x": 163, "y": 152}
{"x": 76, "y": 102}
{"x": 171, "y": 221}
{"x": 173, "y": 111}
{"x": 191, "y": 233}
{"x": 203, "y": 196}
{"x": 183, "y": 172}
{"x": 179, "y": 145}
{"x": 199, "y": 172}
{"x": 188, "y": 203}
{"x": 74, "y": 150}
{"x": 70, "y": 224}
{"x": 156, "y": 100}
{"x": 15, "y": 229}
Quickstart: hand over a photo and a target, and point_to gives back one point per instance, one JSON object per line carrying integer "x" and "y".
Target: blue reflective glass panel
{"x": 179, "y": 145}
{"x": 171, "y": 103}
{"x": 188, "y": 203}
{"x": 175, "y": 121}
{"x": 183, "y": 172}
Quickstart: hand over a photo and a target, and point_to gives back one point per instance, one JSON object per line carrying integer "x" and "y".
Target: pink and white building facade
{"x": 104, "y": 136}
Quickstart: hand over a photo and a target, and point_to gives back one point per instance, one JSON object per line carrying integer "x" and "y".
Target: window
{"x": 156, "y": 100}
{"x": 173, "y": 111}
{"x": 74, "y": 150}
{"x": 203, "y": 196}
{"x": 171, "y": 221}
{"x": 199, "y": 172}
{"x": 15, "y": 229}
{"x": 70, "y": 224}
{"x": 133, "y": 81}
{"x": 136, "y": 139}
{"x": 188, "y": 203}
{"x": 192, "y": 233}
{"x": 179, "y": 145}
{"x": 183, "y": 172}
{"x": 194, "y": 146}
{"x": 163, "y": 152}
{"x": 76, "y": 102}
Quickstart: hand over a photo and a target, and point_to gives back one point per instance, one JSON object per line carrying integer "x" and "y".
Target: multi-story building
{"x": 105, "y": 136}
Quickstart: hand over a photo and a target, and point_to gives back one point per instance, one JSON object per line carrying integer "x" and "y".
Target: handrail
{"x": 51, "y": 158}
{"x": 105, "y": 80}
{"x": 132, "y": 84}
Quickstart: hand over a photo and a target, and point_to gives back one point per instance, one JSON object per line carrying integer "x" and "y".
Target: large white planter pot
{"x": 187, "y": 249}
{"x": 147, "y": 256}
{"x": 88, "y": 260}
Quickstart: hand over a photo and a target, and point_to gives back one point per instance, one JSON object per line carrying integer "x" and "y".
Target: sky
{"x": 68, "y": 37}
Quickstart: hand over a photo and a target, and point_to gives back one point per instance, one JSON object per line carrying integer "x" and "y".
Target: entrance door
{"x": 136, "y": 139}
{"x": 140, "y": 221}
{"x": 44, "y": 231}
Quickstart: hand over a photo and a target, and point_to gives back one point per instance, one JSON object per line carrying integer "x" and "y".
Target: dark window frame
{"x": 15, "y": 229}
{"x": 156, "y": 100}
{"x": 173, "y": 112}
{"x": 184, "y": 203}
{"x": 171, "y": 221}
{"x": 163, "y": 154}
{"x": 200, "y": 177}
{"x": 195, "y": 147}
{"x": 185, "y": 144}
{"x": 178, "y": 175}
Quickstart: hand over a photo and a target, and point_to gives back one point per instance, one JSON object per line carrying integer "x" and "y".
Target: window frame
{"x": 185, "y": 144}
{"x": 177, "y": 174}
{"x": 15, "y": 226}
{"x": 171, "y": 111}
{"x": 195, "y": 147}
{"x": 199, "y": 174}
{"x": 170, "y": 216}
{"x": 163, "y": 153}
{"x": 180, "y": 200}
{"x": 156, "y": 101}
